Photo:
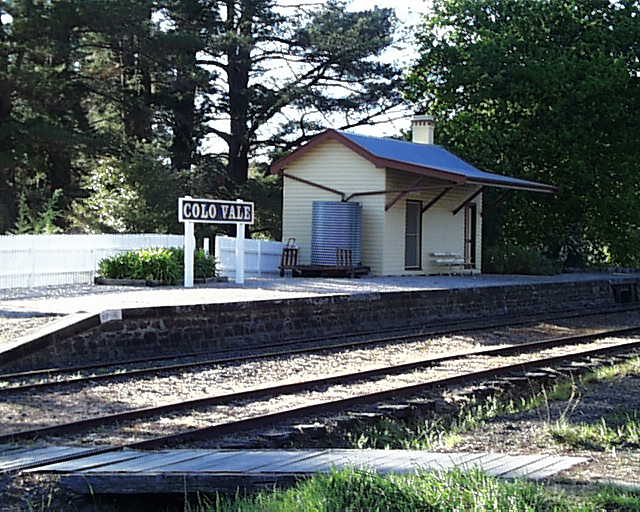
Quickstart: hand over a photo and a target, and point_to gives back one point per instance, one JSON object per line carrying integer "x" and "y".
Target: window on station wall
{"x": 413, "y": 235}
{"x": 470, "y": 234}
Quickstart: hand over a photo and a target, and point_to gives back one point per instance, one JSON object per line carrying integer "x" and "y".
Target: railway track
{"x": 32, "y": 380}
{"x": 261, "y": 421}
{"x": 478, "y": 365}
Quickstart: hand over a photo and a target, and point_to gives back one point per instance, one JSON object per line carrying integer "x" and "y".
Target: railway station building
{"x": 419, "y": 206}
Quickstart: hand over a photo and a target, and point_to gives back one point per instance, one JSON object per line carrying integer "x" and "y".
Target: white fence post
{"x": 259, "y": 258}
{"x": 32, "y": 267}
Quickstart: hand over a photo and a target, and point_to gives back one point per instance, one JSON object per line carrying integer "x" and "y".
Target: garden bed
{"x": 153, "y": 282}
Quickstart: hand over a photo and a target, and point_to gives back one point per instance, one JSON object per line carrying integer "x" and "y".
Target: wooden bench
{"x": 289, "y": 258}
{"x": 344, "y": 266}
{"x": 344, "y": 261}
{"x": 454, "y": 262}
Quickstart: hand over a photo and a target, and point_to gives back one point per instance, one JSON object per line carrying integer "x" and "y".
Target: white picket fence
{"x": 261, "y": 256}
{"x": 42, "y": 260}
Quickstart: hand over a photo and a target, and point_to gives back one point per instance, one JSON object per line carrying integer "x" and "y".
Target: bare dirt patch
{"x": 529, "y": 432}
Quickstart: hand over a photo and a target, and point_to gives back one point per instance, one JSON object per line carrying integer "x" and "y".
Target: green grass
{"x": 437, "y": 432}
{"x": 447, "y": 431}
{"x": 621, "y": 429}
{"x": 611, "y": 499}
{"x": 361, "y": 491}
{"x": 618, "y": 430}
{"x": 358, "y": 491}
{"x": 628, "y": 368}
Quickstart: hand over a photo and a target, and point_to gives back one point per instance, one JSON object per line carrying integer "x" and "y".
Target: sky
{"x": 407, "y": 10}
{"x": 409, "y": 13}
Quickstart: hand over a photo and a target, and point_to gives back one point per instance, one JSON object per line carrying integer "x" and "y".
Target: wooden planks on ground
{"x": 179, "y": 471}
{"x": 16, "y": 458}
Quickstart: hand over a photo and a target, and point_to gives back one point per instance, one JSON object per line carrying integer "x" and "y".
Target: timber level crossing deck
{"x": 125, "y": 471}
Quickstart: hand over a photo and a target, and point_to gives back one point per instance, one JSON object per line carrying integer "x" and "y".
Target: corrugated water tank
{"x": 335, "y": 225}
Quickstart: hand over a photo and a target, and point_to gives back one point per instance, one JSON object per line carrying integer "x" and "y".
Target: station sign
{"x": 214, "y": 211}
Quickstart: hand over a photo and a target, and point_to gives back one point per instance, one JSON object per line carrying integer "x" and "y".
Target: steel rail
{"x": 256, "y": 393}
{"x": 217, "y": 361}
{"x": 211, "y": 362}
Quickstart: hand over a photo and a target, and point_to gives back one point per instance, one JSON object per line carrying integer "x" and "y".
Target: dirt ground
{"x": 530, "y": 431}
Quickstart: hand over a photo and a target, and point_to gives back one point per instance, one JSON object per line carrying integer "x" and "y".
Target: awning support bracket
{"x": 468, "y": 200}
{"x": 435, "y": 199}
{"x": 402, "y": 194}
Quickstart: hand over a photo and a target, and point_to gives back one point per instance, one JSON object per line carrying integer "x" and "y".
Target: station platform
{"x": 66, "y": 300}
{"x": 102, "y": 324}
{"x": 126, "y": 471}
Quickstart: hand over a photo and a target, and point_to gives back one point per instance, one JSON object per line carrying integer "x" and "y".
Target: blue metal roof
{"x": 435, "y": 157}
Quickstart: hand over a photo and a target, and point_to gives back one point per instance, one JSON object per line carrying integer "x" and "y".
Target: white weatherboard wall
{"x": 334, "y": 165}
{"x": 43, "y": 260}
{"x": 261, "y": 256}
{"x": 441, "y": 230}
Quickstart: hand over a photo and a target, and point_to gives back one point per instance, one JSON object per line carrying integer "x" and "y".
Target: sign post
{"x": 240, "y": 251}
{"x": 189, "y": 248}
{"x": 213, "y": 211}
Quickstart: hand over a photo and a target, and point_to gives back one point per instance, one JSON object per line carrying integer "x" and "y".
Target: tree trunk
{"x": 135, "y": 81}
{"x": 182, "y": 146}
{"x": 5, "y": 83}
{"x": 239, "y": 66}
{"x": 8, "y": 205}
{"x": 183, "y": 106}
{"x": 60, "y": 170}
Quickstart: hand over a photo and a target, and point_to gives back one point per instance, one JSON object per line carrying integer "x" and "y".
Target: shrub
{"x": 32, "y": 221}
{"x": 157, "y": 264}
{"x": 515, "y": 259}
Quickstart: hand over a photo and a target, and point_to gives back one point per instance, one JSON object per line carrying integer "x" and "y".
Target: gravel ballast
{"x": 27, "y": 410}
{"x": 517, "y": 436}
{"x": 13, "y": 328}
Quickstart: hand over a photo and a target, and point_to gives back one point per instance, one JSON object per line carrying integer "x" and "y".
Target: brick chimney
{"x": 422, "y": 127}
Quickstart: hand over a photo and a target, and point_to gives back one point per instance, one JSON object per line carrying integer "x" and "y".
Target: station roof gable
{"x": 424, "y": 159}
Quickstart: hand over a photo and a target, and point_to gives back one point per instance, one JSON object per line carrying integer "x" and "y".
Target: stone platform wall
{"x": 146, "y": 332}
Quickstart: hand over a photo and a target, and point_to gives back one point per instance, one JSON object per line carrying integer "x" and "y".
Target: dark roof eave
{"x": 453, "y": 177}
{"x": 533, "y": 187}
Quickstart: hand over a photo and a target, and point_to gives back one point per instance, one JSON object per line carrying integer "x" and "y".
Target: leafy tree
{"x": 44, "y": 122}
{"x": 546, "y": 90}
{"x": 112, "y": 100}
{"x": 136, "y": 193}
{"x": 280, "y": 66}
